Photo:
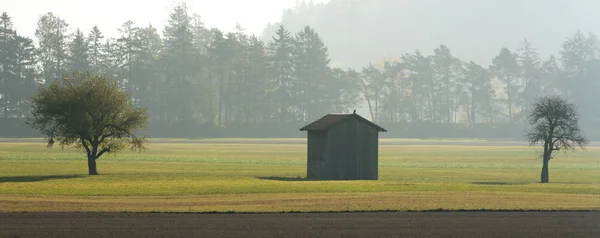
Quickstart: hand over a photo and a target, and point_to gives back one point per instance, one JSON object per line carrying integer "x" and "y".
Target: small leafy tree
{"x": 555, "y": 126}
{"x": 90, "y": 112}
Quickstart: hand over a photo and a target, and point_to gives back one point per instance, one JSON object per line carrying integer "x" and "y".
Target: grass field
{"x": 264, "y": 177}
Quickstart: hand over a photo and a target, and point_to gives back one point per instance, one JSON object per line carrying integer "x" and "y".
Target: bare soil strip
{"x": 417, "y": 224}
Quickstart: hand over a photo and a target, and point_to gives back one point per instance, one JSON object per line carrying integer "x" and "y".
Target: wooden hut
{"x": 343, "y": 147}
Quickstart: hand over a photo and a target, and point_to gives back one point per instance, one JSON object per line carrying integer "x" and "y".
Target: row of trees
{"x": 191, "y": 77}
{"x": 93, "y": 113}
{"x": 441, "y": 88}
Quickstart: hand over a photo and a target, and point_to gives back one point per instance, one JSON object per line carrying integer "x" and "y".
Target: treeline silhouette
{"x": 200, "y": 82}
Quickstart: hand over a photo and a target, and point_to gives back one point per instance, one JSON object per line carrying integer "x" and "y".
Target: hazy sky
{"x": 110, "y": 14}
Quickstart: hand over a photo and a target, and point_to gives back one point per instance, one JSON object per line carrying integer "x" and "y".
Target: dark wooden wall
{"x": 361, "y": 159}
{"x": 317, "y": 164}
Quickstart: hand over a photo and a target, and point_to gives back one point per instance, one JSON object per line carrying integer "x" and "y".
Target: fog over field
{"x": 264, "y": 68}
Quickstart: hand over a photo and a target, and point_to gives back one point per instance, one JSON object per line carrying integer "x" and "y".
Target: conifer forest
{"x": 203, "y": 82}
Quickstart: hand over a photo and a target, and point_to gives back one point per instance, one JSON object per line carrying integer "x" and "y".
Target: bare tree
{"x": 555, "y": 125}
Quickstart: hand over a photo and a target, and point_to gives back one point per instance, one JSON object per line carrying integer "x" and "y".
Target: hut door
{"x": 317, "y": 161}
{"x": 317, "y": 145}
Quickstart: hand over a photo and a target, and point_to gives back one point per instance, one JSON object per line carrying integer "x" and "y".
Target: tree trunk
{"x": 92, "y": 166}
{"x": 545, "y": 175}
{"x": 432, "y": 108}
{"x": 450, "y": 104}
{"x": 473, "y": 119}
{"x": 368, "y": 98}
{"x": 376, "y": 113}
{"x": 508, "y": 94}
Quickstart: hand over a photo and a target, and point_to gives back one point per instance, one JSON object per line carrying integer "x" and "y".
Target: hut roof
{"x": 330, "y": 120}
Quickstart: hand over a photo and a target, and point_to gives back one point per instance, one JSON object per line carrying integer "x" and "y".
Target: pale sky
{"x": 253, "y": 15}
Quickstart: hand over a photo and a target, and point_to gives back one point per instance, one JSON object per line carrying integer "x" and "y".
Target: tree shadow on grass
{"x": 584, "y": 183}
{"x": 497, "y": 183}
{"x": 17, "y": 179}
{"x": 287, "y": 179}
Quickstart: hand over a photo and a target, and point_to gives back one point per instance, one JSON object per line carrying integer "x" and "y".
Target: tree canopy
{"x": 90, "y": 112}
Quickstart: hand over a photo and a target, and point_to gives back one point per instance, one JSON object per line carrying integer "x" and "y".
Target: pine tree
{"x": 581, "y": 69}
{"x": 219, "y": 72}
{"x": 201, "y": 35}
{"x": 201, "y": 40}
{"x": 237, "y": 43}
{"x": 577, "y": 51}
{"x": 183, "y": 82}
{"x": 506, "y": 69}
{"x": 345, "y": 95}
{"x": 445, "y": 83}
{"x": 17, "y": 70}
{"x": 78, "y": 58}
{"x": 7, "y": 38}
{"x": 146, "y": 71}
{"x": 256, "y": 104}
{"x": 313, "y": 75}
{"x": 7, "y": 62}
{"x": 394, "y": 74}
{"x": 479, "y": 89}
{"x": 373, "y": 84}
{"x": 244, "y": 64}
{"x": 531, "y": 74}
{"x": 110, "y": 60}
{"x": 550, "y": 71}
{"x": 95, "y": 49}
{"x": 25, "y": 76}
{"x": 280, "y": 50}
{"x": 420, "y": 85}
{"x": 52, "y": 35}
{"x": 128, "y": 49}
{"x": 235, "y": 65}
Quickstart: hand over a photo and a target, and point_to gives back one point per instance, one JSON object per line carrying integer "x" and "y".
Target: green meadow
{"x": 254, "y": 175}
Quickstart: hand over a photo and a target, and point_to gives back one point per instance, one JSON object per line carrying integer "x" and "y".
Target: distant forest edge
{"x": 199, "y": 82}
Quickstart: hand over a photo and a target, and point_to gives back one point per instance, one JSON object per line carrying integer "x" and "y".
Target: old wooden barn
{"x": 343, "y": 147}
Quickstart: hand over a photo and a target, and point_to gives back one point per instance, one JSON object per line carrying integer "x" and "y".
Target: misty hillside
{"x": 361, "y": 31}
